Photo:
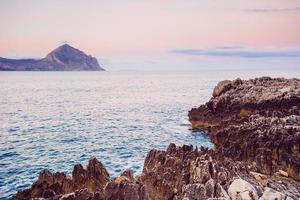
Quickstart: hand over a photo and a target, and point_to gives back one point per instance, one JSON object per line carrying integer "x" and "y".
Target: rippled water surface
{"x": 57, "y": 119}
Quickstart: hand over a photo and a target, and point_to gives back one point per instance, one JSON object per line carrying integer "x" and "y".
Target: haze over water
{"x": 57, "y": 119}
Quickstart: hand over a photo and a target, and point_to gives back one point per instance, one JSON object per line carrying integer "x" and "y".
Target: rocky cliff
{"x": 254, "y": 125}
{"x": 63, "y": 58}
{"x": 177, "y": 173}
{"x": 92, "y": 182}
{"x": 256, "y": 121}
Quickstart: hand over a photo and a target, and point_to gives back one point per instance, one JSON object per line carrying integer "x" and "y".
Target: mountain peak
{"x": 66, "y": 48}
{"x": 71, "y": 58}
{"x": 63, "y": 58}
{"x": 66, "y": 45}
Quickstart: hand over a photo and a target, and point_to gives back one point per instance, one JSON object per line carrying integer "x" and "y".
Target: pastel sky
{"x": 152, "y": 34}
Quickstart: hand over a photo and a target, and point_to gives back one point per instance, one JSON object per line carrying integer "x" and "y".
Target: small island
{"x": 63, "y": 58}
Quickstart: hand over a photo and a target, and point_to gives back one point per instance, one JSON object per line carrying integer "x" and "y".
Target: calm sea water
{"x": 57, "y": 119}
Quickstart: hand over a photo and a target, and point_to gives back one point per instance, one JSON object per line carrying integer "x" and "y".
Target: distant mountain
{"x": 63, "y": 58}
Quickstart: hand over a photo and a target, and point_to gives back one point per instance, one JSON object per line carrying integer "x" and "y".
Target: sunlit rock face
{"x": 180, "y": 172}
{"x": 257, "y": 121}
{"x": 63, "y": 58}
{"x": 255, "y": 128}
{"x": 184, "y": 172}
{"x": 92, "y": 182}
{"x": 50, "y": 184}
{"x": 188, "y": 173}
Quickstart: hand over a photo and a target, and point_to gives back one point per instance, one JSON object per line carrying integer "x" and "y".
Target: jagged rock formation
{"x": 255, "y": 127}
{"x": 257, "y": 121}
{"x": 178, "y": 173}
{"x": 90, "y": 183}
{"x": 187, "y": 173}
{"x": 63, "y": 58}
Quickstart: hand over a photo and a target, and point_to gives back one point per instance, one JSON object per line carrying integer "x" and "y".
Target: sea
{"x": 55, "y": 120}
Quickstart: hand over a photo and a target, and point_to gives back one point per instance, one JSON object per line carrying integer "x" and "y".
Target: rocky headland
{"x": 63, "y": 58}
{"x": 256, "y": 121}
{"x": 255, "y": 127}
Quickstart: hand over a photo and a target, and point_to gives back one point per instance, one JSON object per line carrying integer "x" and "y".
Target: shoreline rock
{"x": 256, "y": 121}
{"x": 180, "y": 172}
{"x": 92, "y": 182}
{"x": 255, "y": 127}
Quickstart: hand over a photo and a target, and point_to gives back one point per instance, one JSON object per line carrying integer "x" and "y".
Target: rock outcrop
{"x": 255, "y": 127}
{"x": 63, "y": 58}
{"x": 241, "y": 189}
{"x": 90, "y": 183}
{"x": 178, "y": 173}
{"x": 187, "y": 173}
{"x": 191, "y": 173}
{"x": 256, "y": 121}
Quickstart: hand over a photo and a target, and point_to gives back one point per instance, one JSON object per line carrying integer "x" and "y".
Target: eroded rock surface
{"x": 187, "y": 173}
{"x": 178, "y": 173}
{"x": 241, "y": 189}
{"x": 191, "y": 173}
{"x": 257, "y": 121}
{"x": 91, "y": 183}
{"x": 255, "y": 127}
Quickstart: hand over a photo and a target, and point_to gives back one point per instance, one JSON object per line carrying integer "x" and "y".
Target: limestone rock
{"x": 283, "y": 173}
{"x": 255, "y": 126}
{"x": 180, "y": 172}
{"x": 222, "y": 86}
{"x": 242, "y": 190}
{"x": 256, "y": 121}
{"x": 259, "y": 177}
{"x": 92, "y": 183}
{"x": 188, "y": 173}
{"x": 270, "y": 194}
{"x": 51, "y": 185}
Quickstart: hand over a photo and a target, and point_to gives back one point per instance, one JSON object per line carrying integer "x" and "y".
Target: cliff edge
{"x": 256, "y": 121}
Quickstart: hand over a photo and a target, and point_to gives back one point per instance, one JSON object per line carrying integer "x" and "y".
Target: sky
{"x": 157, "y": 34}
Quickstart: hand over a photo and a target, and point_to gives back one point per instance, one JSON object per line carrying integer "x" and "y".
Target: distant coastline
{"x": 63, "y": 58}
